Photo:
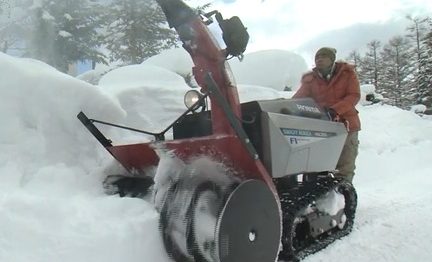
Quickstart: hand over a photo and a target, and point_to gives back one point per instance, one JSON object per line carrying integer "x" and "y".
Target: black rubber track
{"x": 296, "y": 242}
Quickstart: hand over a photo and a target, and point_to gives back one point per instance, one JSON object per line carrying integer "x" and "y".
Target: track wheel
{"x": 206, "y": 205}
{"x": 166, "y": 228}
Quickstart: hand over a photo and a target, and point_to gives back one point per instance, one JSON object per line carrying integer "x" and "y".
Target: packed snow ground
{"x": 53, "y": 207}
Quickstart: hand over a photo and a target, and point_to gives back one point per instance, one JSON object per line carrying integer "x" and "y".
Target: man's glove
{"x": 332, "y": 114}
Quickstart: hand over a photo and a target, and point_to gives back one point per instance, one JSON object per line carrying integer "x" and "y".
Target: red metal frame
{"x": 223, "y": 145}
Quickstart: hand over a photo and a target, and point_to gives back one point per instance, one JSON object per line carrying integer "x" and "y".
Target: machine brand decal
{"x": 306, "y": 133}
{"x": 308, "y": 108}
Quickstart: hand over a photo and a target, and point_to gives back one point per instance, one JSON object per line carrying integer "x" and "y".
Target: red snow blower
{"x": 267, "y": 191}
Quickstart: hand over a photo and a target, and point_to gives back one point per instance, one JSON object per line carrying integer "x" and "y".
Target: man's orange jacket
{"x": 341, "y": 93}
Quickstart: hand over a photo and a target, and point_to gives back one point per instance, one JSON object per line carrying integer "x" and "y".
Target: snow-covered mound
{"x": 418, "y": 108}
{"x": 276, "y": 69}
{"x": 152, "y": 96}
{"x": 51, "y": 201}
{"x": 285, "y": 70}
{"x": 176, "y": 60}
{"x": 39, "y": 124}
{"x": 369, "y": 95}
{"x": 252, "y": 92}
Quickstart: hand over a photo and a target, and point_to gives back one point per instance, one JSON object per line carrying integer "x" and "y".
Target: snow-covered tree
{"x": 425, "y": 88}
{"x": 65, "y": 31}
{"x": 417, "y": 34}
{"x": 372, "y": 65}
{"x": 5, "y": 7}
{"x": 398, "y": 79}
{"x": 136, "y": 30}
{"x": 354, "y": 58}
{"x": 13, "y": 25}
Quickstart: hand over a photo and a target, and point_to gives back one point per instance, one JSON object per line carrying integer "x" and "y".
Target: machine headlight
{"x": 190, "y": 99}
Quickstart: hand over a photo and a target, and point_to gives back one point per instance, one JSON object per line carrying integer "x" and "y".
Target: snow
{"x": 276, "y": 69}
{"x": 176, "y": 60}
{"x": 68, "y": 17}
{"x": 54, "y": 208}
{"x": 286, "y": 68}
{"x": 64, "y": 34}
{"x": 331, "y": 203}
{"x": 418, "y": 108}
{"x": 368, "y": 88}
{"x": 152, "y": 96}
{"x": 47, "y": 16}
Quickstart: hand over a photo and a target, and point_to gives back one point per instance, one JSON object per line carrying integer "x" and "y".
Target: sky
{"x": 53, "y": 206}
{"x": 305, "y": 25}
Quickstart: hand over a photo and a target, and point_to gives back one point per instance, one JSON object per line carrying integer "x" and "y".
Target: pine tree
{"x": 136, "y": 30}
{"x": 372, "y": 65}
{"x": 4, "y": 25}
{"x": 416, "y": 34}
{"x": 355, "y": 59}
{"x": 64, "y": 32}
{"x": 398, "y": 77}
{"x": 425, "y": 89}
{"x": 13, "y": 23}
{"x": 402, "y": 70}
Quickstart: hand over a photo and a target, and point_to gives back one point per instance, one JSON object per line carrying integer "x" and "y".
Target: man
{"x": 335, "y": 87}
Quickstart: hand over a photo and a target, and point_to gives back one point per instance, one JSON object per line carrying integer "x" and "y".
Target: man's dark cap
{"x": 328, "y": 52}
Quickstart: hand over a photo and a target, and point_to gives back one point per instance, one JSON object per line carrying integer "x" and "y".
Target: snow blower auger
{"x": 266, "y": 191}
